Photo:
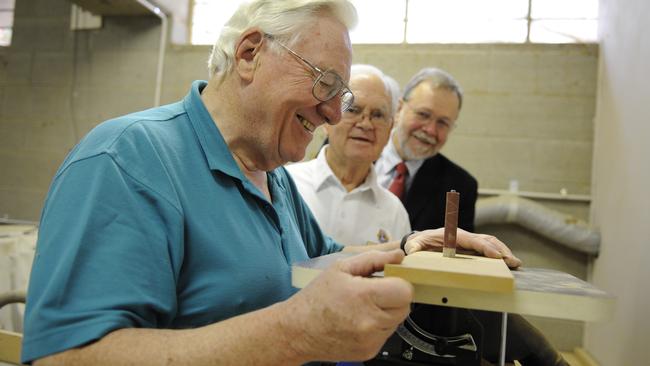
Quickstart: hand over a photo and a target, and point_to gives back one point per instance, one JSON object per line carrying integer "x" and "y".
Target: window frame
{"x": 528, "y": 18}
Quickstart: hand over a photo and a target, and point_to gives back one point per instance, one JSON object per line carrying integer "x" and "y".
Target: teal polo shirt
{"x": 150, "y": 223}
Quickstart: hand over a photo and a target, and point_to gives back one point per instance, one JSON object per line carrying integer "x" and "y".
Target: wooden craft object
{"x": 538, "y": 291}
{"x": 451, "y": 224}
{"x": 461, "y": 271}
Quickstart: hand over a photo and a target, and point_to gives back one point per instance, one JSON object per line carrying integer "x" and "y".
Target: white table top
{"x": 540, "y": 292}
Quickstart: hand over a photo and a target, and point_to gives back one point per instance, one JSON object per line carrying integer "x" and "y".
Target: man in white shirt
{"x": 340, "y": 185}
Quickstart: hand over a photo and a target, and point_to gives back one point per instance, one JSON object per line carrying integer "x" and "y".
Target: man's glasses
{"x": 427, "y": 117}
{"x": 376, "y": 116}
{"x": 327, "y": 84}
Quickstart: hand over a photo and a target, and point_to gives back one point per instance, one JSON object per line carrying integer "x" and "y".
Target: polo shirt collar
{"x": 214, "y": 147}
{"x": 212, "y": 143}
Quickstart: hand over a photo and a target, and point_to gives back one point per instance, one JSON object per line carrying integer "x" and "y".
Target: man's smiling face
{"x": 365, "y": 128}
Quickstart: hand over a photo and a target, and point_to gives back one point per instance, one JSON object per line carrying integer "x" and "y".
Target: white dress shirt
{"x": 368, "y": 213}
{"x": 389, "y": 158}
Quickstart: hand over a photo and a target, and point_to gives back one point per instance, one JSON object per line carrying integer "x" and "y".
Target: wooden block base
{"x": 461, "y": 271}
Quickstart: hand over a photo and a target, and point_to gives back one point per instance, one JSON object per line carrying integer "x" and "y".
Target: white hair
{"x": 391, "y": 86}
{"x": 395, "y": 92}
{"x": 284, "y": 19}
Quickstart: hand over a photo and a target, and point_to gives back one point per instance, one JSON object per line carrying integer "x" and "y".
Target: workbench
{"x": 540, "y": 292}
{"x": 536, "y": 291}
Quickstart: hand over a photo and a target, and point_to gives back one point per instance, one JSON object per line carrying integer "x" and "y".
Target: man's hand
{"x": 344, "y": 316}
{"x": 487, "y": 245}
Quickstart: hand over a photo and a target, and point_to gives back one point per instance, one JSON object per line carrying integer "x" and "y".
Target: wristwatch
{"x": 402, "y": 244}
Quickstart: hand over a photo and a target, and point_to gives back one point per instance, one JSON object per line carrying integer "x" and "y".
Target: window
{"x": 560, "y": 21}
{"x": 6, "y": 21}
{"x": 379, "y": 24}
{"x": 208, "y": 17}
{"x": 466, "y": 21}
{"x": 442, "y": 21}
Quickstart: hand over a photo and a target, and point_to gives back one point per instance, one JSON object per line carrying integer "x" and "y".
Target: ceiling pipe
{"x": 164, "y": 25}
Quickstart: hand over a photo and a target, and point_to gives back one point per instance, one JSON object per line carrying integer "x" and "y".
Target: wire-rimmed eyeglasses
{"x": 327, "y": 84}
{"x": 425, "y": 116}
{"x": 377, "y": 116}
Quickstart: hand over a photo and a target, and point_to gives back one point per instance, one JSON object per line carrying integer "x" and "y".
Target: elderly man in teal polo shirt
{"x": 168, "y": 235}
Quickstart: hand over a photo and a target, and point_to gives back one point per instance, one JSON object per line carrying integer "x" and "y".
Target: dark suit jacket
{"x": 425, "y": 199}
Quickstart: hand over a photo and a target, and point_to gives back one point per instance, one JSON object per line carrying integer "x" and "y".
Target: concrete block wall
{"x": 56, "y": 85}
{"x": 527, "y": 113}
{"x": 35, "y": 82}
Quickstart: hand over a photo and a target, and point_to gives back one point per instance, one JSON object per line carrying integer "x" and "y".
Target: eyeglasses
{"x": 355, "y": 113}
{"x": 425, "y": 116}
{"x": 327, "y": 85}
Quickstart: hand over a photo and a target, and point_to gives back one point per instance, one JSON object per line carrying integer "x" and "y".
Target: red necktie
{"x": 399, "y": 181}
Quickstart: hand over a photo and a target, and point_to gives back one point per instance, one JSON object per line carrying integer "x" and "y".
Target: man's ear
{"x": 247, "y": 53}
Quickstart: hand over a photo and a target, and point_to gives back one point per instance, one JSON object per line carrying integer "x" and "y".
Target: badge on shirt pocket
{"x": 382, "y": 236}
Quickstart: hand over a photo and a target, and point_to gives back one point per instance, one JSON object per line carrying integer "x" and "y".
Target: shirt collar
{"x": 323, "y": 175}
{"x": 371, "y": 181}
{"x": 390, "y": 158}
{"x": 212, "y": 143}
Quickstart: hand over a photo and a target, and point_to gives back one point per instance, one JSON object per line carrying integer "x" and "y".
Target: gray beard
{"x": 409, "y": 154}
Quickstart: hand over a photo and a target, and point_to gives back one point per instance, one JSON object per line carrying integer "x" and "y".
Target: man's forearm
{"x": 256, "y": 338}
{"x": 364, "y": 248}
{"x": 317, "y": 323}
